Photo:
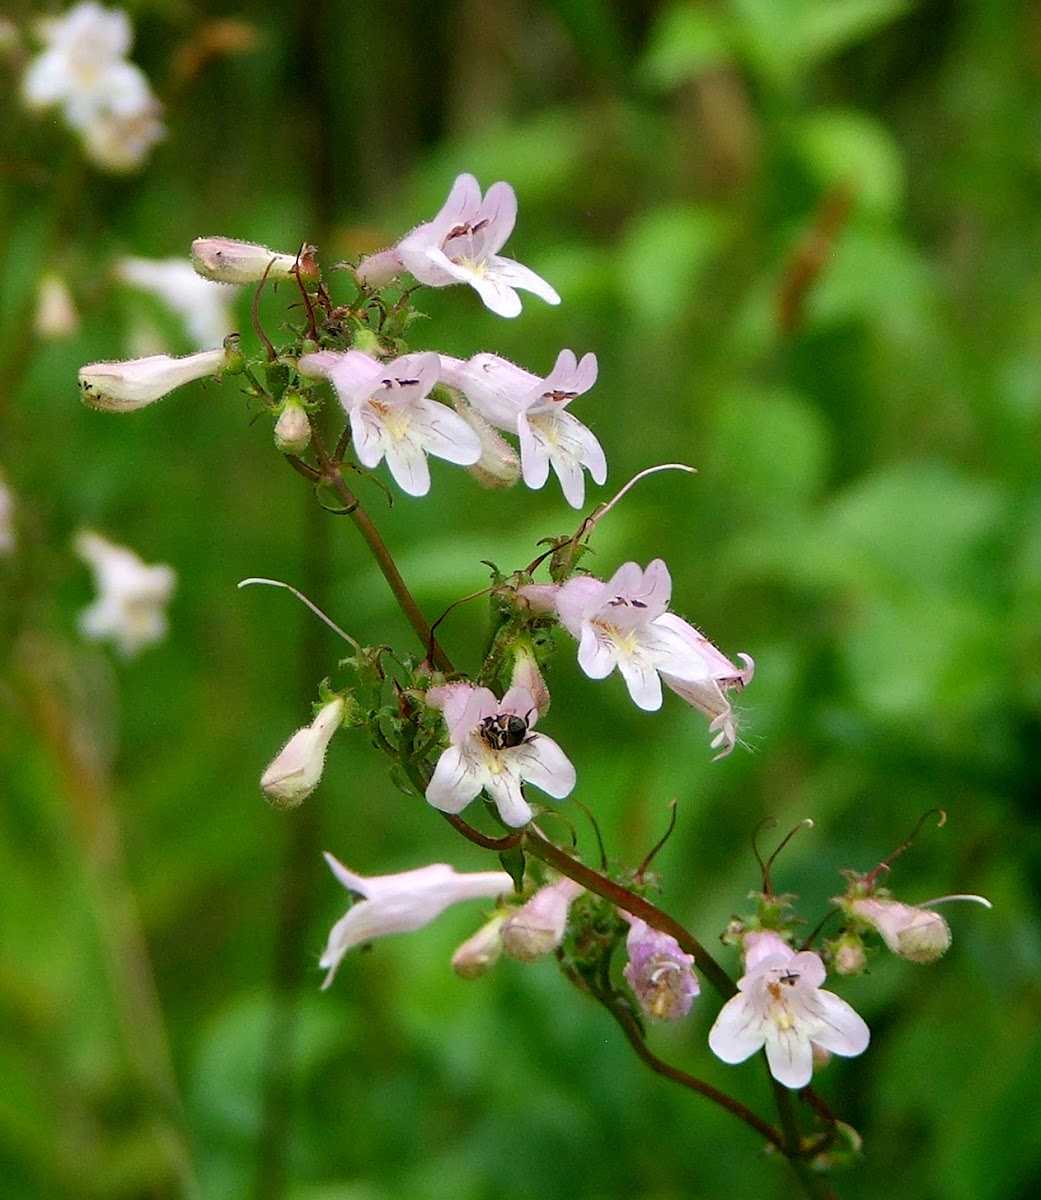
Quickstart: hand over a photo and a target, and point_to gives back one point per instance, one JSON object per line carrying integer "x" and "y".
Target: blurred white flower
{"x": 131, "y": 599}
{"x": 203, "y": 306}
{"x": 56, "y": 315}
{"x": 83, "y": 71}
{"x": 8, "y": 537}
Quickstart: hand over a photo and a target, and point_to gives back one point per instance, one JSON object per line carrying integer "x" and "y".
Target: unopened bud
{"x": 378, "y": 270}
{"x": 481, "y": 951}
{"x": 292, "y": 429}
{"x": 847, "y": 955}
{"x": 917, "y": 934}
{"x": 537, "y": 927}
{"x": 498, "y": 466}
{"x": 296, "y": 770}
{"x": 126, "y": 386}
{"x": 526, "y": 674}
{"x": 225, "y": 260}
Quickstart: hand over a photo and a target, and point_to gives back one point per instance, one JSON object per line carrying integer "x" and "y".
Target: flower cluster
{"x": 84, "y": 73}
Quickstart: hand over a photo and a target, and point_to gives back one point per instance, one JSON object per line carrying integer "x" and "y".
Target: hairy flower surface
{"x": 296, "y": 770}
{"x": 659, "y": 972}
{"x": 624, "y": 624}
{"x": 461, "y": 245}
{"x": 780, "y": 1006}
{"x": 492, "y": 748}
{"x": 537, "y": 928}
{"x": 132, "y": 597}
{"x": 392, "y": 416}
{"x": 917, "y": 934}
{"x": 227, "y": 260}
{"x": 401, "y": 903}
{"x": 534, "y": 409}
{"x": 137, "y": 382}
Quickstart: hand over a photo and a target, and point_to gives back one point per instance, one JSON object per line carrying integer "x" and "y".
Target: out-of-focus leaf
{"x": 852, "y": 149}
{"x": 661, "y": 257}
{"x": 685, "y": 39}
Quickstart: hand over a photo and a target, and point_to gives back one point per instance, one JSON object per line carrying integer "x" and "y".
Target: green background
{"x": 866, "y": 522}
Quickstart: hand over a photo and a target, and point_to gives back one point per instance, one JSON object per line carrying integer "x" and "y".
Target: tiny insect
{"x": 789, "y": 977}
{"x": 503, "y": 731}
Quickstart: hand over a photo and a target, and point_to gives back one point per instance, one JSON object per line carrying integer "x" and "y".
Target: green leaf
{"x": 685, "y": 40}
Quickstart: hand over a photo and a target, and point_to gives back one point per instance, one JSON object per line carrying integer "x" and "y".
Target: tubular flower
{"x": 624, "y": 623}
{"x": 392, "y": 416}
{"x": 137, "y": 382}
{"x": 492, "y": 747}
{"x": 917, "y": 934}
{"x": 519, "y": 402}
{"x": 537, "y": 928}
{"x": 132, "y": 597}
{"x": 296, "y": 770}
{"x": 659, "y": 972}
{"x": 225, "y": 260}
{"x": 780, "y": 1006}
{"x": 401, "y": 903}
{"x": 461, "y": 245}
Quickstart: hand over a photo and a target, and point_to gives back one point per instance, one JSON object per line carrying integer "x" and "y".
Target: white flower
{"x": 461, "y": 245}
{"x": 296, "y": 770}
{"x": 519, "y": 402}
{"x": 225, "y": 260}
{"x": 392, "y": 416}
{"x": 56, "y": 315}
{"x": 401, "y": 903}
{"x": 624, "y": 623}
{"x": 917, "y": 934}
{"x": 130, "y": 606}
{"x": 203, "y": 306}
{"x": 780, "y": 1005}
{"x": 84, "y": 72}
{"x": 137, "y": 382}
{"x": 537, "y": 928}
{"x": 492, "y": 747}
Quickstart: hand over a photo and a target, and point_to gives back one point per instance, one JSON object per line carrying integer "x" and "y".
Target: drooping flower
{"x": 130, "y": 608}
{"x": 918, "y": 934}
{"x": 401, "y": 903}
{"x": 537, "y": 928}
{"x": 492, "y": 747}
{"x": 780, "y": 1006}
{"x": 83, "y": 71}
{"x": 137, "y": 382}
{"x": 624, "y": 623}
{"x": 461, "y": 245}
{"x": 659, "y": 972}
{"x": 203, "y": 306}
{"x": 534, "y": 409}
{"x": 391, "y": 414}
{"x": 295, "y": 771}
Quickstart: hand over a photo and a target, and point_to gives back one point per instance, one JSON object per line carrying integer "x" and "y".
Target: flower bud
{"x": 377, "y": 270}
{"x": 847, "y": 955}
{"x": 498, "y": 466}
{"x": 917, "y": 934}
{"x": 126, "y": 386}
{"x": 481, "y": 951}
{"x": 537, "y": 927}
{"x": 526, "y": 674}
{"x": 225, "y": 260}
{"x": 659, "y": 972}
{"x": 296, "y": 770}
{"x": 292, "y": 429}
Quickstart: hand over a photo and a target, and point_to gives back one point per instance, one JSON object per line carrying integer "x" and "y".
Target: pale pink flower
{"x": 492, "y": 748}
{"x": 659, "y": 972}
{"x": 624, "y": 624}
{"x": 918, "y": 934}
{"x": 136, "y": 382}
{"x": 401, "y": 903}
{"x": 461, "y": 245}
{"x": 132, "y": 596}
{"x": 537, "y": 928}
{"x": 392, "y": 415}
{"x": 296, "y": 770}
{"x": 780, "y": 1006}
{"x": 534, "y": 409}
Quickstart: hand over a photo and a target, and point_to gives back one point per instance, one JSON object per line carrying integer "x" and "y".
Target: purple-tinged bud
{"x": 137, "y": 382}
{"x": 537, "y": 927}
{"x": 295, "y": 772}
{"x": 292, "y": 429}
{"x": 481, "y": 951}
{"x": 659, "y": 972}
{"x": 225, "y": 260}
{"x": 917, "y": 934}
{"x": 377, "y": 270}
{"x": 846, "y": 955}
{"x": 526, "y": 674}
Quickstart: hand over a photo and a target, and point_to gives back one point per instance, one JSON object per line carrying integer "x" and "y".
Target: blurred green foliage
{"x": 802, "y": 237}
